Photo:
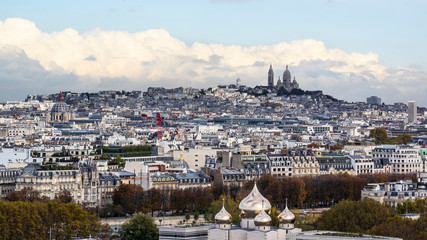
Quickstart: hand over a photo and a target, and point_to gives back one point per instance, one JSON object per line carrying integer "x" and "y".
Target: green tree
{"x": 421, "y": 205}
{"x": 105, "y": 157}
{"x": 406, "y": 207}
{"x": 139, "y": 227}
{"x": 196, "y": 215}
{"x": 405, "y": 138}
{"x": 354, "y": 216}
{"x": 119, "y": 161}
{"x": 187, "y": 217}
{"x": 379, "y": 135}
{"x": 405, "y": 228}
{"x": 230, "y": 205}
{"x": 274, "y": 213}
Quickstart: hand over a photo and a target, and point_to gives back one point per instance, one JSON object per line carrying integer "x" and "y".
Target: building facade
{"x": 403, "y": 159}
{"x": 392, "y": 193}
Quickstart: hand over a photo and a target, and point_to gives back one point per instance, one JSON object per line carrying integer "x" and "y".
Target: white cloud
{"x": 109, "y": 59}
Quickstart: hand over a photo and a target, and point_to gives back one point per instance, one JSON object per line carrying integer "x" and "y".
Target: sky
{"x": 349, "y": 49}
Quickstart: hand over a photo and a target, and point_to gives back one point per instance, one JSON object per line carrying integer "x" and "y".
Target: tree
{"x": 105, "y": 157}
{"x": 187, "y": 217}
{"x": 230, "y": 205}
{"x": 139, "y": 227}
{"x": 297, "y": 188}
{"x": 39, "y": 220}
{"x": 405, "y": 228}
{"x": 274, "y": 213}
{"x": 129, "y": 197}
{"x": 26, "y": 195}
{"x": 65, "y": 196}
{"x": 119, "y": 161}
{"x": 379, "y": 135}
{"x": 405, "y": 138}
{"x": 152, "y": 201}
{"x": 354, "y": 216}
{"x": 406, "y": 207}
{"x": 313, "y": 145}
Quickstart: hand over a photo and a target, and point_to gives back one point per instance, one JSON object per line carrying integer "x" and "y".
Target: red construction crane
{"x": 159, "y": 125}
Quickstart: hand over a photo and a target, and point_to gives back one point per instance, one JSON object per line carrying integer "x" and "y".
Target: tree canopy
{"x": 231, "y": 205}
{"x": 380, "y": 137}
{"x": 40, "y": 220}
{"x": 354, "y": 216}
{"x": 139, "y": 227}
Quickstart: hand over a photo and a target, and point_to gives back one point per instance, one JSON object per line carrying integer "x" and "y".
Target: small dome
{"x": 60, "y": 107}
{"x": 286, "y": 216}
{"x": 223, "y": 217}
{"x": 295, "y": 81}
{"x": 252, "y": 204}
{"x": 262, "y": 219}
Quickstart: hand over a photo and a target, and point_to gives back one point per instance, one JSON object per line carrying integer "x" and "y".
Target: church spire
{"x": 270, "y": 77}
{"x": 60, "y": 99}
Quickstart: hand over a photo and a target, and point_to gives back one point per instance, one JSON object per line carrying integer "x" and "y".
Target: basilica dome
{"x": 223, "y": 217}
{"x": 60, "y": 107}
{"x": 252, "y": 204}
{"x": 287, "y": 75}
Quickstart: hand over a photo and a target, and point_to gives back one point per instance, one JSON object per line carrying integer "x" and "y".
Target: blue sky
{"x": 393, "y": 30}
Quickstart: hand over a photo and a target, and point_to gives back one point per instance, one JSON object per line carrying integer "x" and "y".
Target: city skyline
{"x": 349, "y": 49}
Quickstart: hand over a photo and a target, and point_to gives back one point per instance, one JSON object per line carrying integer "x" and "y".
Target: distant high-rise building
{"x": 373, "y": 100}
{"x": 270, "y": 77}
{"x": 412, "y": 111}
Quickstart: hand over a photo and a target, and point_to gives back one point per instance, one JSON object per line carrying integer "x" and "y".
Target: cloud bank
{"x": 33, "y": 61}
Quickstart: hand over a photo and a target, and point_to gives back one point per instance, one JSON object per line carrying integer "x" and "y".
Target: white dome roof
{"x": 286, "y": 216}
{"x": 223, "y": 216}
{"x": 262, "y": 219}
{"x": 252, "y": 204}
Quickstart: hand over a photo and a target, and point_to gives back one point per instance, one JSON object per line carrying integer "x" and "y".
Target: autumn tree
{"x": 39, "y": 220}
{"x": 152, "y": 201}
{"x": 129, "y": 197}
{"x": 177, "y": 200}
{"x": 379, "y": 135}
{"x": 26, "y": 195}
{"x": 65, "y": 196}
{"x": 313, "y": 145}
{"x": 297, "y": 188}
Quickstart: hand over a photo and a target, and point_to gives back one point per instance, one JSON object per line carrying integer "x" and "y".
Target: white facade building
{"x": 362, "y": 164}
{"x": 403, "y": 159}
